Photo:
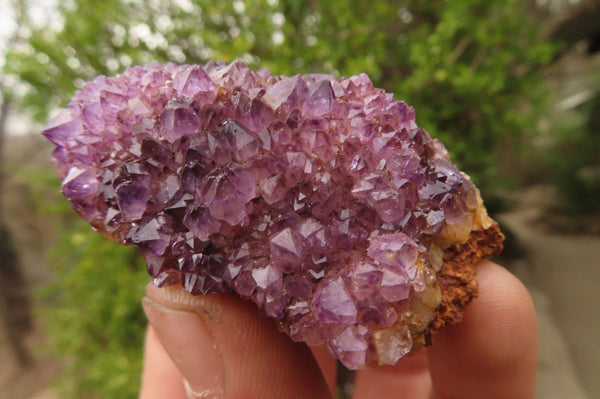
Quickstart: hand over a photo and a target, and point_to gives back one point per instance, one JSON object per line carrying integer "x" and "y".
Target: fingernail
{"x": 190, "y": 344}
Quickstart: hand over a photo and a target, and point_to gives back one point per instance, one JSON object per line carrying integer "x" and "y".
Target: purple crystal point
{"x": 333, "y": 304}
{"x": 178, "y": 119}
{"x": 319, "y": 200}
{"x": 350, "y": 347}
{"x": 321, "y": 99}
{"x": 366, "y": 278}
{"x": 192, "y": 81}
{"x": 288, "y": 92}
{"x": 63, "y": 127}
{"x": 201, "y": 223}
{"x": 397, "y": 251}
{"x": 286, "y": 249}
{"x": 79, "y": 183}
{"x": 394, "y": 286}
{"x": 132, "y": 200}
{"x": 267, "y": 278}
{"x": 225, "y": 202}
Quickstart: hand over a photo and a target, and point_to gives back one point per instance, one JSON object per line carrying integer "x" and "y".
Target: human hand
{"x": 223, "y": 348}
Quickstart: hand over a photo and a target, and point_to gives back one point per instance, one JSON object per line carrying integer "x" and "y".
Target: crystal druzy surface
{"x": 320, "y": 200}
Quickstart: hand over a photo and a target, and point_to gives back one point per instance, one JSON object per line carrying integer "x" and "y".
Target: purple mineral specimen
{"x": 320, "y": 200}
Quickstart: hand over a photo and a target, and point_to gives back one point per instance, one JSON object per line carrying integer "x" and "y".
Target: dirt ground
{"x": 561, "y": 271}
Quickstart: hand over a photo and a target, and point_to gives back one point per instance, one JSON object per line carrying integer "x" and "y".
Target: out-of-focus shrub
{"x": 575, "y": 161}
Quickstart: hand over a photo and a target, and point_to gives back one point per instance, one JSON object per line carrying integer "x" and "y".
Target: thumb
{"x": 225, "y": 349}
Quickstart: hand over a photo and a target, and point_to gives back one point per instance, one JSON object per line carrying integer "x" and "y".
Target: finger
{"x": 492, "y": 352}
{"x": 225, "y": 349}
{"x": 160, "y": 378}
{"x": 327, "y": 364}
{"x": 409, "y": 378}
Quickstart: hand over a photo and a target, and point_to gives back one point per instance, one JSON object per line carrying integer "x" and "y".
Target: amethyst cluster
{"x": 320, "y": 200}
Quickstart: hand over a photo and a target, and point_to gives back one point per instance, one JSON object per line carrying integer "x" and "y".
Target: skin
{"x": 492, "y": 353}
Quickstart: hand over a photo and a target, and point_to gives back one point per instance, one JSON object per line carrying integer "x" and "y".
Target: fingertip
{"x": 493, "y": 350}
{"x": 503, "y": 311}
{"x": 328, "y": 365}
{"x": 410, "y": 376}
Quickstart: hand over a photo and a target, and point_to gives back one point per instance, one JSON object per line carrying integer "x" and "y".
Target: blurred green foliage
{"x": 96, "y": 319}
{"x": 92, "y": 311}
{"x": 577, "y": 169}
{"x": 471, "y": 68}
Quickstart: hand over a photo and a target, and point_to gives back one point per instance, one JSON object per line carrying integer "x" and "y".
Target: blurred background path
{"x": 562, "y": 273}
